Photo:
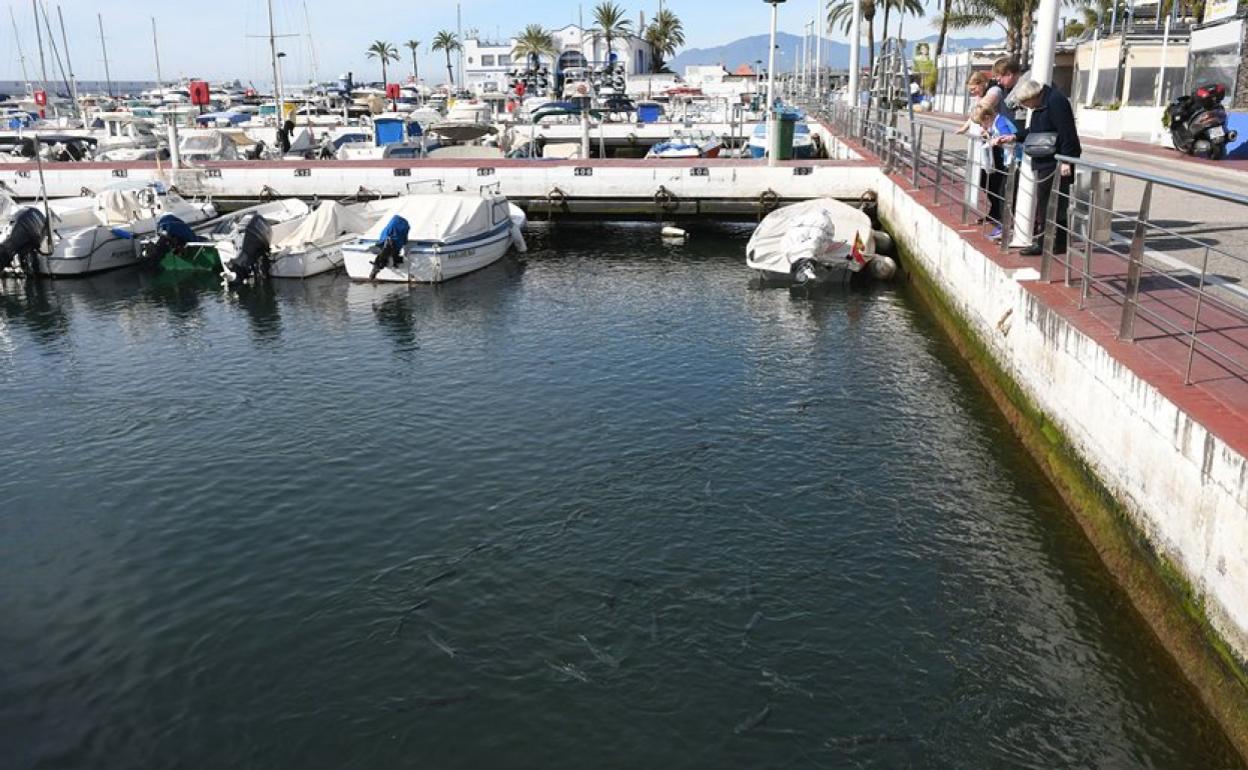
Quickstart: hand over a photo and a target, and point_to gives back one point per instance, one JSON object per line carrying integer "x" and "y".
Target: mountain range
{"x": 749, "y": 50}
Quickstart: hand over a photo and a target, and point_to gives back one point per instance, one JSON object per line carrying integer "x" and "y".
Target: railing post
{"x": 1200, "y": 296}
{"x": 1050, "y": 226}
{"x": 1007, "y": 207}
{"x": 940, "y": 168}
{"x": 1086, "y": 282}
{"x": 1135, "y": 263}
{"x": 970, "y": 181}
{"x": 914, "y": 159}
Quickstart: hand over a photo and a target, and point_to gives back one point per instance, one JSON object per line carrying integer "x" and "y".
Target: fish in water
{"x": 754, "y": 720}
{"x": 569, "y": 671}
{"x": 757, "y": 616}
{"x": 602, "y": 657}
{"x": 441, "y": 645}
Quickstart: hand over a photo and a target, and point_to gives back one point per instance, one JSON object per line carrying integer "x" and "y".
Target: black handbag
{"x": 1041, "y": 144}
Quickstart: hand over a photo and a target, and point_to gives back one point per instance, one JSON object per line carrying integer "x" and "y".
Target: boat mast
{"x": 73, "y": 82}
{"x": 160, "y": 82}
{"x": 20, "y": 54}
{"x": 43, "y": 62}
{"x": 307, "y": 23}
{"x": 56, "y": 54}
{"x": 107, "y": 77}
{"x": 277, "y": 87}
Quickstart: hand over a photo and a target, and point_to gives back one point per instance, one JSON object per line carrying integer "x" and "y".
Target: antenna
{"x": 307, "y": 22}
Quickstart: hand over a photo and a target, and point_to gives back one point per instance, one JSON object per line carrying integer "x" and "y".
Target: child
{"x": 992, "y": 178}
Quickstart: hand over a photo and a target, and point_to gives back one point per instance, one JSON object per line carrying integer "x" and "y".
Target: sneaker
{"x": 995, "y": 235}
{"x": 1033, "y": 250}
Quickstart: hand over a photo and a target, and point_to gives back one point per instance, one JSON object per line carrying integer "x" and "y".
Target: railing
{"x": 1147, "y": 279}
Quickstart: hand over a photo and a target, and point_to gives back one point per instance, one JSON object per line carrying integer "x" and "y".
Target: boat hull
{"x": 307, "y": 262}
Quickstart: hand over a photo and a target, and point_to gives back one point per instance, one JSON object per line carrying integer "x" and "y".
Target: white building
{"x": 486, "y": 63}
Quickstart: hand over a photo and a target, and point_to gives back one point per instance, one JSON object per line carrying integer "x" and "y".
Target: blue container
{"x": 649, "y": 112}
{"x": 389, "y": 131}
{"x": 1238, "y": 122}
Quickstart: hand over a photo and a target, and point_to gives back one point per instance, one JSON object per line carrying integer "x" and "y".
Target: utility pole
{"x": 107, "y": 77}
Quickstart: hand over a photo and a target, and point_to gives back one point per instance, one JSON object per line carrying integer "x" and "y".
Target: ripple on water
{"x": 610, "y": 507}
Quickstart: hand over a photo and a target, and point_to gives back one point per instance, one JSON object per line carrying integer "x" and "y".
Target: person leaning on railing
{"x": 1050, "y": 132}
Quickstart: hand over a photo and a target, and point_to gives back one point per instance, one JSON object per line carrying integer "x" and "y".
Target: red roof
{"x": 744, "y": 70}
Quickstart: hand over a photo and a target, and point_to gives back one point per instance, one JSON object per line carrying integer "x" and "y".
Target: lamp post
{"x": 773, "y": 121}
{"x": 277, "y": 90}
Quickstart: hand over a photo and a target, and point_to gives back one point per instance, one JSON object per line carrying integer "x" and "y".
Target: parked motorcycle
{"x": 1198, "y": 123}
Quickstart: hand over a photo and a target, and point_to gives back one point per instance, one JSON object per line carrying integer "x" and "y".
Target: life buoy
{"x": 582, "y": 89}
{"x": 41, "y": 98}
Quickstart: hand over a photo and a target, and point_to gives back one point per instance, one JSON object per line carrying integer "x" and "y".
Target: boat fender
{"x": 631, "y": 138}
{"x": 883, "y": 242}
{"x": 664, "y": 199}
{"x": 669, "y": 231}
{"x": 556, "y": 197}
{"x": 267, "y": 193}
{"x": 883, "y": 268}
{"x": 768, "y": 199}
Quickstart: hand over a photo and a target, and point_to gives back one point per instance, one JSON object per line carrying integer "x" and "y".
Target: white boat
{"x": 466, "y": 121}
{"x": 311, "y": 244}
{"x": 685, "y": 144}
{"x": 815, "y": 241}
{"x": 123, "y": 214}
{"x": 434, "y": 238}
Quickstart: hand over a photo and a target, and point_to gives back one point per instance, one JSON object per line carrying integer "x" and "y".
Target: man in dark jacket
{"x": 1050, "y": 113}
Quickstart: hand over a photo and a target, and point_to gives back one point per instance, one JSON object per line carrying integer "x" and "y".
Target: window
{"x": 1216, "y": 65}
{"x": 504, "y": 60}
{"x": 487, "y": 60}
{"x": 1106, "y": 85}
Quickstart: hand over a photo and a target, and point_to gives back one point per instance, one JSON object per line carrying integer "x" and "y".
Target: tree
{"x": 944, "y": 29}
{"x": 665, "y": 34}
{"x": 384, "y": 51}
{"x": 413, "y": 45}
{"x": 842, "y": 12}
{"x": 609, "y": 22}
{"x": 448, "y": 42}
{"x": 1013, "y": 16}
{"x": 912, "y": 7}
{"x": 534, "y": 43}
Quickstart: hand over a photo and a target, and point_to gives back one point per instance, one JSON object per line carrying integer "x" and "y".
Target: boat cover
{"x": 395, "y": 230}
{"x": 822, "y": 229}
{"x": 175, "y": 227}
{"x": 330, "y": 220}
{"x": 444, "y": 217}
{"x": 119, "y": 206}
{"x": 7, "y": 207}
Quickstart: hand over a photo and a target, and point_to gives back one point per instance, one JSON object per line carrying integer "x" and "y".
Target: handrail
{"x": 1144, "y": 176}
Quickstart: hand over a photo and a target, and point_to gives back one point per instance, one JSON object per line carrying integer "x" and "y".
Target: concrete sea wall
{"x": 1163, "y": 498}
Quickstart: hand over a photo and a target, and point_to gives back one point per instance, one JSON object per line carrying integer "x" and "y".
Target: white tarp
{"x": 328, "y": 222}
{"x": 801, "y": 231}
{"x": 7, "y": 207}
{"x": 440, "y": 217}
{"x": 119, "y": 206}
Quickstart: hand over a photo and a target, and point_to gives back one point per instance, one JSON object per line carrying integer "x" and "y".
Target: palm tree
{"x": 609, "y": 22}
{"x": 842, "y": 12}
{"x": 665, "y": 34}
{"x": 912, "y": 7}
{"x": 1013, "y": 16}
{"x": 446, "y": 41}
{"x": 384, "y": 51}
{"x": 413, "y": 45}
{"x": 944, "y": 29}
{"x": 534, "y": 43}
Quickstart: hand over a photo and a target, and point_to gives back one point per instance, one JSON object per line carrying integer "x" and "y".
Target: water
{"x": 614, "y": 508}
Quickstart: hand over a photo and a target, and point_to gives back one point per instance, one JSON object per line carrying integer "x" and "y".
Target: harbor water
{"x": 611, "y": 507}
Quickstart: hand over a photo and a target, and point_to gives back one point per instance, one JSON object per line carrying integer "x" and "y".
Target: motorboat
{"x": 217, "y": 144}
{"x": 688, "y": 145}
{"x": 123, "y": 214}
{"x": 176, "y": 246}
{"x": 436, "y": 237}
{"x": 803, "y": 141}
{"x": 816, "y": 241}
{"x": 304, "y": 246}
{"x": 466, "y": 121}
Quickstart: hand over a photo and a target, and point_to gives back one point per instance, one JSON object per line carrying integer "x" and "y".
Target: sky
{"x": 226, "y": 39}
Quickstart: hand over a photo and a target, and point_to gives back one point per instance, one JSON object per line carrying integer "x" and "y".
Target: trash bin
{"x": 784, "y": 126}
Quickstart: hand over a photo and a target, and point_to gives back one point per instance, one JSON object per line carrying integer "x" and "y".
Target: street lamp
{"x": 773, "y": 122}
{"x": 277, "y": 87}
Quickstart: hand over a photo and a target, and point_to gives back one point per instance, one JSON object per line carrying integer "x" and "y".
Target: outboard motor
{"x": 393, "y": 240}
{"x": 172, "y": 234}
{"x": 253, "y": 256}
{"x": 26, "y": 234}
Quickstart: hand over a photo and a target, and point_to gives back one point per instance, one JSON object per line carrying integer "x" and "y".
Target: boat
{"x": 816, "y": 241}
{"x": 466, "y": 121}
{"x": 436, "y": 237}
{"x": 687, "y": 145}
{"x": 803, "y": 142}
{"x": 176, "y": 246}
{"x": 308, "y": 245}
{"x": 123, "y": 214}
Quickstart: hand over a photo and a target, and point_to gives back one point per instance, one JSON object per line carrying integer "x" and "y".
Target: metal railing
{"x": 1152, "y": 281}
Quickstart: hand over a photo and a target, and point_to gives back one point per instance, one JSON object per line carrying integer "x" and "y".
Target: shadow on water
{"x": 34, "y": 305}
{"x": 259, "y": 300}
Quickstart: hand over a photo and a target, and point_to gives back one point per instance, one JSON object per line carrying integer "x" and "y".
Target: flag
{"x": 857, "y": 260}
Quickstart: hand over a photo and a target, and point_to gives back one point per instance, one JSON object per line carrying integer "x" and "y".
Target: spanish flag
{"x": 857, "y": 260}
